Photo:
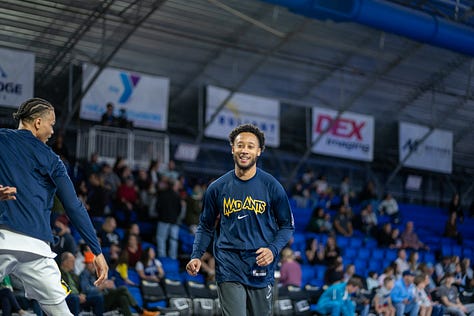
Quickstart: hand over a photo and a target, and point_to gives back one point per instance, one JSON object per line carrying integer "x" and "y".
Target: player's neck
{"x": 245, "y": 174}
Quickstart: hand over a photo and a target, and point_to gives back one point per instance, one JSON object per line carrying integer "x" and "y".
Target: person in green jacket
{"x": 336, "y": 299}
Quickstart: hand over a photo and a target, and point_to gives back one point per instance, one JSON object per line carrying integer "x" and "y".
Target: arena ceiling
{"x": 258, "y": 48}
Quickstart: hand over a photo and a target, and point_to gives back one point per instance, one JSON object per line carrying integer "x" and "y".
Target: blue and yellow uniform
{"x": 252, "y": 214}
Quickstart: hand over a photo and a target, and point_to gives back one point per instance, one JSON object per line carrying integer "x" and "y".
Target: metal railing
{"x": 136, "y": 146}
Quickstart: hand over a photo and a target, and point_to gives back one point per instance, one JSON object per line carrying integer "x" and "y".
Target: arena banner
{"x": 144, "y": 97}
{"x": 350, "y": 135}
{"x": 435, "y": 153}
{"x": 17, "y": 76}
{"x": 241, "y": 109}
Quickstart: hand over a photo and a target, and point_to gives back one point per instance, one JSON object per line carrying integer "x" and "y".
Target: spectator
{"x": 60, "y": 148}
{"x": 122, "y": 120}
{"x": 110, "y": 178}
{"x": 79, "y": 258}
{"x": 382, "y": 300}
{"x": 8, "y": 300}
{"x": 290, "y": 269}
{"x": 451, "y": 228}
{"x": 335, "y": 272}
{"x": 389, "y": 271}
{"x": 369, "y": 220}
{"x": 114, "y": 297}
{"x": 336, "y": 299}
{"x": 320, "y": 222}
{"x": 384, "y": 236}
{"x": 410, "y": 239}
{"x": 121, "y": 270}
{"x": 368, "y": 193}
{"x": 128, "y": 199}
{"x": 314, "y": 252}
{"x": 467, "y": 274}
{"x": 169, "y": 209}
{"x": 193, "y": 207}
{"x": 389, "y": 206}
{"x": 107, "y": 233}
{"x": 422, "y": 299}
{"x": 108, "y": 118}
{"x": 372, "y": 281}
{"x": 321, "y": 186}
{"x": 397, "y": 240}
{"x": 403, "y": 295}
{"x": 413, "y": 261}
{"x": 300, "y": 194}
{"x": 76, "y": 299}
{"x": 443, "y": 267}
{"x": 149, "y": 268}
{"x": 133, "y": 247}
{"x": 64, "y": 241}
{"x": 331, "y": 251}
{"x": 342, "y": 222}
{"x": 455, "y": 207}
{"x": 450, "y": 298}
{"x": 345, "y": 187}
{"x": 401, "y": 262}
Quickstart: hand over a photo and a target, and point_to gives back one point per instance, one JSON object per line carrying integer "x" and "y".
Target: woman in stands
{"x": 149, "y": 268}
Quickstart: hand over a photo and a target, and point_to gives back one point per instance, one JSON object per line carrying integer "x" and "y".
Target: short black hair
{"x": 248, "y": 128}
{"x": 32, "y": 109}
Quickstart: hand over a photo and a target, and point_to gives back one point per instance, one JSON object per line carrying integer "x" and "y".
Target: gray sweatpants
{"x": 237, "y": 299}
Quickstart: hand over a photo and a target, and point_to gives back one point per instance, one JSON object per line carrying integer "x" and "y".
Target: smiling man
{"x": 254, "y": 222}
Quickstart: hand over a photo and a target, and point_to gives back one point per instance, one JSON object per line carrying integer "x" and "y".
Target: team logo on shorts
{"x": 66, "y": 287}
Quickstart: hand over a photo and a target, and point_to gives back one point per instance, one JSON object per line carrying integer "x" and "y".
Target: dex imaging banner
{"x": 17, "y": 76}
{"x": 144, "y": 97}
{"x": 435, "y": 153}
{"x": 350, "y": 135}
{"x": 241, "y": 109}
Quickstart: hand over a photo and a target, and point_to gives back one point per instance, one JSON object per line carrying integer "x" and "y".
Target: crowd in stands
{"x": 402, "y": 285}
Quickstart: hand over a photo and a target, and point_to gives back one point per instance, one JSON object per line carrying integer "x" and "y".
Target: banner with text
{"x": 144, "y": 97}
{"x": 349, "y": 136}
{"x": 241, "y": 109}
{"x": 17, "y": 76}
{"x": 435, "y": 153}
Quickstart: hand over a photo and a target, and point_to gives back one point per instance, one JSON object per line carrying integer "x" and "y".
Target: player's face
{"x": 44, "y": 125}
{"x": 245, "y": 150}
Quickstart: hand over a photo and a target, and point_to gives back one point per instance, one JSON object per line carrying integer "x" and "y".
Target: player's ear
{"x": 259, "y": 152}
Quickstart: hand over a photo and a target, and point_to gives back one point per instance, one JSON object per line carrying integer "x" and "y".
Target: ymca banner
{"x": 349, "y": 136}
{"x": 17, "y": 76}
{"x": 144, "y": 97}
{"x": 435, "y": 153}
{"x": 242, "y": 109}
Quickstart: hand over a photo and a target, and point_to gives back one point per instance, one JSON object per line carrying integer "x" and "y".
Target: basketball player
{"x": 254, "y": 223}
{"x": 31, "y": 175}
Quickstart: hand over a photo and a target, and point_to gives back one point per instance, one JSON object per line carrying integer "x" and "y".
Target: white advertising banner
{"x": 242, "y": 109}
{"x": 349, "y": 136}
{"x": 144, "y": 97}
{"x": 435, "y": 153}
{"x": 17, "y": 76}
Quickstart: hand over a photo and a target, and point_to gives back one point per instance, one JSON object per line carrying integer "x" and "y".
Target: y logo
{"x": 129, "y": 82}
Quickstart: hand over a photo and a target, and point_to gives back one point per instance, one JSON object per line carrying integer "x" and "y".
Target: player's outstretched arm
{"x": 7, "y": 193}
{"x": 101, "y": 268}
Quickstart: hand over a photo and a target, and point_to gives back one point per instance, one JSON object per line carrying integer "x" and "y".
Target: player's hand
{"x": 193, "y": 266}
{"x": 101, "y": 268}
{"x": 7, "y": 193}
{"x": 264, "y": 257}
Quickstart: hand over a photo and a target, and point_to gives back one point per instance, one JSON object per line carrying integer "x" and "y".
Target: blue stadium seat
{"x": 342, "y": 241}
{"x": 319, "y": 271}
{"x": 363, "y": 253}
{"x": 378, "y": 253}
{"x": 350, "y": 253}
{"x": 356, "y": 242}
{"x": 307, "y": 273}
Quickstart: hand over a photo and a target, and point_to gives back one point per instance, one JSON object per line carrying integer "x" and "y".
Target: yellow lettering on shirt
{"x": 232, "y": 205}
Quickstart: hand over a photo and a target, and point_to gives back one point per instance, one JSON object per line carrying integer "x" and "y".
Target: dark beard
{"x": 252, "y": 163}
